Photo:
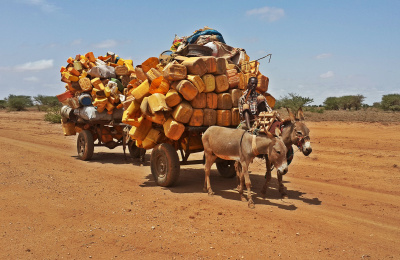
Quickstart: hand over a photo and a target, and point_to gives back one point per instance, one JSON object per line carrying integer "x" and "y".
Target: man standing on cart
{"x": 251, "y": 103}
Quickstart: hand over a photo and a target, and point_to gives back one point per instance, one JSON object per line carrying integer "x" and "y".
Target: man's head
{"x": 252, "y": 84}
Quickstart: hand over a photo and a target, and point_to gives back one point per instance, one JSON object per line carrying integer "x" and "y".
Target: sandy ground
{"x": 344, "y": 201}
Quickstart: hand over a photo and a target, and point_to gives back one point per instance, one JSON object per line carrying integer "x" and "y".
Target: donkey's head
{"x": 300, "y": 134}
{"x": 276, "y": 152}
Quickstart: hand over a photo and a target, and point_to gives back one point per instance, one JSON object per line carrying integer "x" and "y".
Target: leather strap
{"x": 254, "y": 146}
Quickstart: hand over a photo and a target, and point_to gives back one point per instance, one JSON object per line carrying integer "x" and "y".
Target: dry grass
{"x": 363, "y": 115}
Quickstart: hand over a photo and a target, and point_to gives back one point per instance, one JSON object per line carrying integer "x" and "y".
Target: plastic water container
{"x": 197, "y": 117}
{"x": 175, "y": 71}
{"x": 68, "y": 128}
{"x": 224, "y": 117}
{"x": 159, "y": 85}
{"x": 172, "y": 98}
{"x": 183, "y": 112}
{"x": 63, "y": 98}
{"x": 173, "y": 129}
{"x": 149, "y": 63}
{"x": 85, "y": 99}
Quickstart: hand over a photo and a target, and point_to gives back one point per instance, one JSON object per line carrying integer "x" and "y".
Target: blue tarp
{"x": 193, "y": 38}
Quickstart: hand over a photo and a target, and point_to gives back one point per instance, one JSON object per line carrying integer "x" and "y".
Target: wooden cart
{"x": 165, "y": 163}
{"x": 108, "y": 134}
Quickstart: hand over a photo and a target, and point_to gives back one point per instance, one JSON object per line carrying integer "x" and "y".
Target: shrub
{"x": 391, "y": 102}
{"x": 344, "y": 102}
{"x": 293, "y": 101}
{"x": 53, "y": 115}
{"x": 377, "y": 105}
{"x": 3, "y": 104}
{"x": 18, "y": 103}
{"x": 315, "y": 109}
{"x": 332, "y": 103}
{"x": 44, "y": 102}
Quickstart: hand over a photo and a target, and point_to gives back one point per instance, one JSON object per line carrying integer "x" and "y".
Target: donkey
{"x": 243, "y": 147}
{"x": 294, "y": 132}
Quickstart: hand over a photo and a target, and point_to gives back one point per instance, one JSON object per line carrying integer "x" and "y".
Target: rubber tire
{"x": 226, "y": 168}
{"x": 165, "y": 166}
{"x": 85, "y": 145}
{"x": 134, "y": 151}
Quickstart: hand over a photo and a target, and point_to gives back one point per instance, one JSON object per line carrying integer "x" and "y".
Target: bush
{"x": 332, "y": 103}
{"x": 44, "y": 102}
{"x": 391, "y": 102}
{"x": 293, "y": 101}
{"x": 3, "y": 104}
{"x": 377, "y": 105}
{"x": 53, "y": 115}
{"x": 315, "y": 109}
{"x": 18, "y": 103}
{"x": 344, "y": 102}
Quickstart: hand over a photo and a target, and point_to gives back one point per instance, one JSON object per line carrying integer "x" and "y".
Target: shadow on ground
{"x": 191, "y": 180}
{"x": 116, "y": 158}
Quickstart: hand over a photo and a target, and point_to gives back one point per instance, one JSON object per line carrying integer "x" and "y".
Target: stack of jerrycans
{"x": 164, "y": 98}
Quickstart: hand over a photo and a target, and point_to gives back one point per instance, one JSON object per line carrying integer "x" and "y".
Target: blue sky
{"x": 319, "y": 48}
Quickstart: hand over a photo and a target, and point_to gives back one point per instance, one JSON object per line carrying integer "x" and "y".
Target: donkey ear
{"x": 278, "y": 132}
{"x": 269, "y": 135}
{"x": 291, "y": 116}
{"x": 300, "y": 114}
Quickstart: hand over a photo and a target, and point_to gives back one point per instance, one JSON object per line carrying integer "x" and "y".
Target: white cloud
{"x": 105, "y": 44}
{"x": 76, "y": 42}
{"x": 326, "y": 75}
{"x": 51, "y": 45}
{"x": 35, "y": 65}
{"x": 270, "y": 14}
{"x": 31, "y": 79}
{"x": 42, "y": 4}
{"x": 323, "y": 56}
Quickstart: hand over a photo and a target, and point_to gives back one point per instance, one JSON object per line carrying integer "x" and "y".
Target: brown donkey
{"x": 243, "y": 147}
{"x": 294, "y": 132}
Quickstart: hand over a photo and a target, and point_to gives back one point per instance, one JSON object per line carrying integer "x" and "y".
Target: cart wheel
{"x": 226, "y": 168}
{"x": 134, "y": 151}
{"x": 85, "y": 145}
{"x": 165, "y": 165}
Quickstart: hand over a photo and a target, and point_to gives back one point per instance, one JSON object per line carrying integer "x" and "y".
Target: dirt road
{"x": 344, "y": 201}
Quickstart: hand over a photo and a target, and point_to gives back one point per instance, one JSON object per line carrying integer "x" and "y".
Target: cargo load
{"x": 198, "y": 84}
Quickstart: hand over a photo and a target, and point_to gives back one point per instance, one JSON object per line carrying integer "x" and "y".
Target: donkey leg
{"x": 207, "y": 185}
{"x": 240, "y": 180}
{"x": 282, "y": 188}
{"x": 241, "y": 189}
{"x": 248, "y": 184}
{"x": 237, "y": 170}
{"x": 267, "y": 177}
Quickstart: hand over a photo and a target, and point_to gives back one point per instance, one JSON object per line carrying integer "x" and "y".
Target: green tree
{"x": 50, "y": 101}
{"x": 44, "y": 102}
{"x": 18, "y": 103}
{"x": 377, "y": 105}
{"x": 3, "y": 104}
{"x": 344, "y": 102}
{"x": 358, "y": 101}
{"x": 391, "y": 102}
{"x": 293, "y": 101}
{"x": 332, "y": 103}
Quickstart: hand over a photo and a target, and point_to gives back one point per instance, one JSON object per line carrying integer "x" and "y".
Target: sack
{"x": 213, "y": 47}
{"x": 102, "y": 71}
{"x": 91, "y": 114}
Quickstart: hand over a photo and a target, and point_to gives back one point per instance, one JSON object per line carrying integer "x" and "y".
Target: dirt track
{"x": 344, "y": 201}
